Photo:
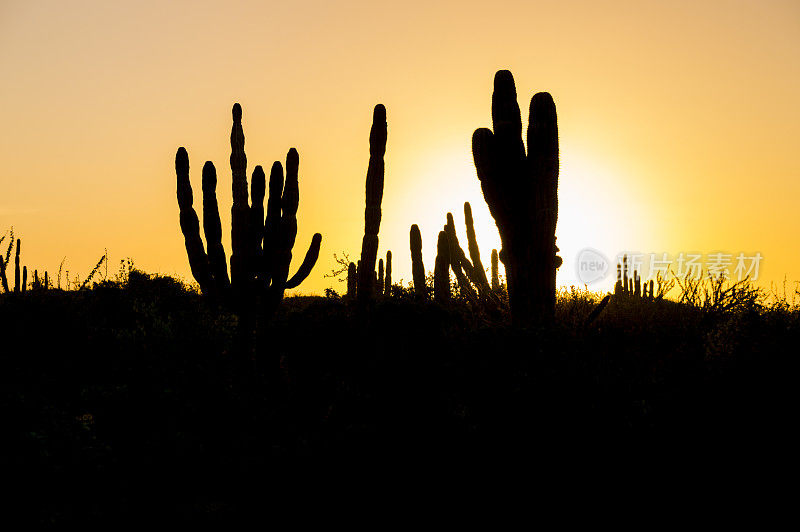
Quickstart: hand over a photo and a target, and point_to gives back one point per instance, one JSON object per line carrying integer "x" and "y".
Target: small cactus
{"x": 3, "y": 278}
{"x": 441, "y": 271}
{"x": 631, "y": 285}
{"x": 417, "y": 267}
{"x": 24, "y": 278}
{"x": 495, "y": 272}
{"x": 387, "y": 289}
{"x": 16, "y": 267}
{"x": 379, "y": 284}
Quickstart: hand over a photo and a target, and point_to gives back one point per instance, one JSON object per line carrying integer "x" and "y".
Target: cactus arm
{"x": 417, "y": 266}
{"x": 478, "y": 273}
{"x": 273, "y": 220}
{"x": 290, "y": 199}
{"x": 257, "y": 191}
{"x": 457, "y": 259}
{"x": 240, "y": 210}
{"x": 543, "y": 170}
{"x": 212, "y": 228}
{"x": 287, "y": 228}
{"x": 190, "y": 225}
{"x": 374, "y": 196}
{"x": 308, "y": 262}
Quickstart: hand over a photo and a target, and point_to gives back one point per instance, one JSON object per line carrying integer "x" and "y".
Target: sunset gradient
{"x": 678, "y": 122}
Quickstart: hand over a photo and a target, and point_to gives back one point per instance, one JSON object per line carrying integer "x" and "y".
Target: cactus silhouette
{"x": 374, "y": 195}
{"x": 417, "y": 267}
{"x": 495, "y": 272}
{"x": 478, "y": 273}
{"x": 379, "y": 285}
{"x": 441, "y": 271}
{"x": 631, "y": 285}
{"x": 352, "y": 280}
{"x": 261, "y": 249}
{"x": 16, "y": 267}
{"x": 387, "y": 290}
{"x": 521, "y": 190}
{"x": 3, "y": 278}
{"x": 458, "y": 261}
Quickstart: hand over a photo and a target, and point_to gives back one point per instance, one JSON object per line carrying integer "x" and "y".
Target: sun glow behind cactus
{"x": 678, "y": 122}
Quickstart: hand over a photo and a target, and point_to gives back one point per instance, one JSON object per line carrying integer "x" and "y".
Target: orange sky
{"x": 679, "y": 121}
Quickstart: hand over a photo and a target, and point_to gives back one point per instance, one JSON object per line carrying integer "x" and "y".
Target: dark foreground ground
{"x": 137, "y": 395}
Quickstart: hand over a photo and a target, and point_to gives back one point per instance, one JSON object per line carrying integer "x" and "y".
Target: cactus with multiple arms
{"x": 374, "y": 196}
{"x": 521, "y": 190}
{"x": 262, "y": 249}
{"x": 631, "y": 285}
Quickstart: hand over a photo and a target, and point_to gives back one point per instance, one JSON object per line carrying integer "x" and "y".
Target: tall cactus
{"x": 261, "y": 248}
{"x": 495, "y": 272}
{"x": 374, "y": 195}
{"x": 3, "y": 277}
{"x": 522, "y": 193}
{"x": 441, "y": 271}
{"x": 16, "y": 267}
{"x": 387, "y": 289}
{"x": 417, "y": 267}
{"x": 379, "y": 285}
{"x": 478, "y": 272}
{"x": 458, "y": 262}
{"x": 352, "y": 280}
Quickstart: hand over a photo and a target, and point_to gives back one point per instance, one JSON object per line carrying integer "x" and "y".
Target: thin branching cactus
{"x": 261, "y": 248}
{"x": 521, "y": 189}
{"x": 461, "y": 267}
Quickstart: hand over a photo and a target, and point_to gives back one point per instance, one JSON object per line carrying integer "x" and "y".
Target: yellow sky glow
{"x": 678, "y": 121}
